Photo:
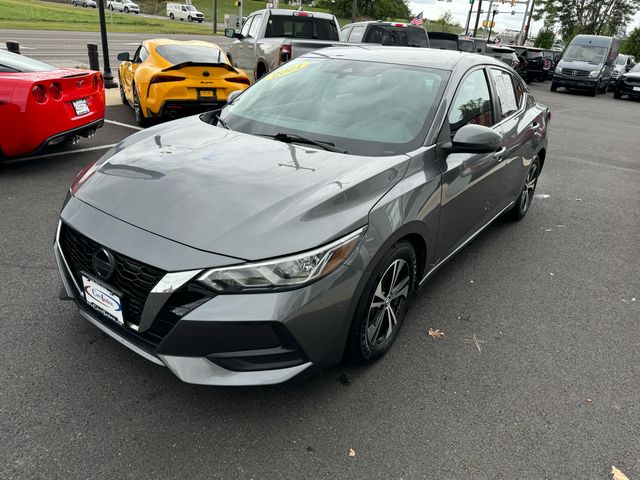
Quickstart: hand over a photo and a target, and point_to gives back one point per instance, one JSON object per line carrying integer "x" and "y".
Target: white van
{"x": 184, "y": 12}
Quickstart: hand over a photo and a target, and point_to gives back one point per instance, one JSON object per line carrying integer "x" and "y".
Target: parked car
{"x": 533, "y": 64}
{"x": 450, "y": 41}
{"x": 271, "y": 37}
{"x": 628, "y": 84}
{"x": 84, "y": 3}
{"x": 125, "y": 6}
{"x": 385, "y": 33}
{"x": 41, "y": 105}
{"x": 587, "y": 64}
{"x": 184, "y": 12}
{"x": 504, "y": 54}
{"x": 551, "y": 59}
{"x": 623, "y": 64}
{"x": 171, "y": 78}
{"x": 258, "y": 243}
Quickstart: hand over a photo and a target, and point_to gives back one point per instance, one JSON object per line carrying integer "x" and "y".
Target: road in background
{"x": 69, "y": 49}
{"x": 536, "y": 376}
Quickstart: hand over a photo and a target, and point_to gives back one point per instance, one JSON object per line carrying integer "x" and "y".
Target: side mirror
{"x": 123, "y": 57}
{"x": 231, "y": 33}
{"x": 233, "y": 95}
{"x": 476, "y": 139}
{"x": 627, "y": 68}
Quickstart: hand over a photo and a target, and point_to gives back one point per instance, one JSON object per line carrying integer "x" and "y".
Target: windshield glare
{"x": 585, "y": 53}
{"x": 636, "y": 68}
{"x": 363, "y": 107}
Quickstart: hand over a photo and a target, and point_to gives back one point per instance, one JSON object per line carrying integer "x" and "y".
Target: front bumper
{"x": 583, "y": 83}
{"x": 240, "y": 339}
{"x": 623, "y": 88}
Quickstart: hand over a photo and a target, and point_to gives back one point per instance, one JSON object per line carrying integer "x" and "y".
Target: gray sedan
{"x": 293, "y": 227}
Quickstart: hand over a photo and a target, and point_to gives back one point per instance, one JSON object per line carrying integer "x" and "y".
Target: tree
{"x": 545, "y": 38}
{"x": 446, "y": 19}
{"x": 378, "y": 9}
{"x": 631, "y": 44}
{"x": 595, "y": 17}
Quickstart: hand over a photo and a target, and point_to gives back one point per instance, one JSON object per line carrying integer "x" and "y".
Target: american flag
{"x": 418, "y": 19}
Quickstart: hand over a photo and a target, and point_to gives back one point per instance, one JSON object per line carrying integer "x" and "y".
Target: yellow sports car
{"x": 169, "y": 78}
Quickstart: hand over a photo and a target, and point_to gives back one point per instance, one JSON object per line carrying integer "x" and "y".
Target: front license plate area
{"x": 208, "y": 94}
{"x": 103, "y": 299}
{"x": 81, "y": 107}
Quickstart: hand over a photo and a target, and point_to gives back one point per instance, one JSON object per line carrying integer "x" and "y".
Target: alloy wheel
{"x": 388, "y": 301}
{"x": 529, "y": 188}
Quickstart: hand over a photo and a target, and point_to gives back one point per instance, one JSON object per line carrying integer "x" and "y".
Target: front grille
{"x": 632, "y": 81}
{"x": 133, "y": 279}
{"x": 568, "y": 72}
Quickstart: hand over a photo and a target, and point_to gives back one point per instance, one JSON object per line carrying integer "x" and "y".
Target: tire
{"x": 595, "y": 90}
{"x": 201, "y": 20}
{"x": 554, "y": 87}
{"x": 172, "y": 16}
{"x": 126, "y": 9}
{"x": 617, "y": 95}
{"x": 111, "y": 7}
{"x": 189, "y": 19}
{"x": 373, "y": 330}
{"x": 605, "y": 88}
{"x": 523, "y": 203}
{"x": 137, "y": 109}
{"x": 74, "y": 4}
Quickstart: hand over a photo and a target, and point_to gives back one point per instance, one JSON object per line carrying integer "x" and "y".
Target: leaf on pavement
{"x": 352, "y": 452}
{"x": 435, "y": 333}
{"x": 617, "y": 474}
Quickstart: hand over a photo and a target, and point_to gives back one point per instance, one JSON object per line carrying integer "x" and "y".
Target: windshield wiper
{"x": 221, "y": 122}
{"x": 293, "y": 138}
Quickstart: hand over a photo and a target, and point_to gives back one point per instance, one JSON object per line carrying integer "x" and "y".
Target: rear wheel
{"x": 190, "y": 19}
{"x": 137, "y": 109}
{"x": 172, "y": 16}
{"x": 383, "y": 304}
{"x": 126, "y": 9}
{"x": 522, "y": 205}
{"x": 111, "y": 7}
{"x": 554, "y": 87}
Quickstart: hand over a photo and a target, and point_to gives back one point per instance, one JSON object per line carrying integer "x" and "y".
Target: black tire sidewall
{"x": 360, "y": 351}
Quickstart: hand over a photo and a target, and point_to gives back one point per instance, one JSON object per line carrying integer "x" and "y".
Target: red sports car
{"x": 41, "y": 105}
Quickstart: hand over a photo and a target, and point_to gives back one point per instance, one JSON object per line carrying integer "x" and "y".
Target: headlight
{"x": 559, "y": 70}
{"x": 595, "y": 73}
{"x": 292, "y": 271}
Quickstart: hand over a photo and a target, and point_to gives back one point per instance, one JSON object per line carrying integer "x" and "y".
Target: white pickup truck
{"x": 273, "y": 36}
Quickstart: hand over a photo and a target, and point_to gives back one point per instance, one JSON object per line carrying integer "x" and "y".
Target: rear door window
{"x": 293, "y": 26}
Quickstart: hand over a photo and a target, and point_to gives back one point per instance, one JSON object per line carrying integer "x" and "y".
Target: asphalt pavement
{"x": 69, "y": 49}
{"x": 536, "y": 376}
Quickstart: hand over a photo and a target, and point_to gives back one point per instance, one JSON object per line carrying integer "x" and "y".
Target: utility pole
{"x": 466, "y": 28}
{"x": 493, "y": 18}
{"x": 354, "y": 8}
{"x": 475, "y": 29}
{"x": 108, "y": 76}
{"x": 521, "y": 36}
{"x": 487, "y": 19}
{"x": 526, "y": 30}
{"x": 214, "y": 15}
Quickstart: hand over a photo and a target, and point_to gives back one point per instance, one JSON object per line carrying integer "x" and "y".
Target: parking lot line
{"x": 58, "y": 154}
{"x": 135, "y": 127}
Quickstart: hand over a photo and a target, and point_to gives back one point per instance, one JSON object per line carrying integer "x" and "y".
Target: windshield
{"x": 636, "y": 68}
{"x": 365, "y": 108}
{"x": 18, "y": 63}
{"x": 621, "y": 60}
{"x": 192, "y": 8}
{"x": 177, "y": 54}
{"x": 585, "y": 53}
{"x": 301, "y": 27}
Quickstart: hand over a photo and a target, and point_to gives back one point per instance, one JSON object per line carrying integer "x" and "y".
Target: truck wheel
{"x": 617, "y": 94}
{"x": 172, "y": 16}
{"x": 189, "y": 19}
{"x": 554, "y": 87}
{"x": 594, "y": 91}
{"x": 261, "y": 71}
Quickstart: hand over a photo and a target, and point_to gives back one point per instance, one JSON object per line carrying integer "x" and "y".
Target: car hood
{"x": 579, "y": 65}
{"x": 236, "y": 194}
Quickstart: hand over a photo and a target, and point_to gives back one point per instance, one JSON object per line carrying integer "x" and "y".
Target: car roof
{"x": 419, "y": 57}
{"x": 384, "y": 24}
{"x": 291, "y": 13}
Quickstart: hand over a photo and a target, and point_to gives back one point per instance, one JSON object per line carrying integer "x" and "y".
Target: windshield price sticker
{"x": 281, "y": 72}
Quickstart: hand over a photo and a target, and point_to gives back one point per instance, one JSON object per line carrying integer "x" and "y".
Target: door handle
{"x": 535, "y": 126}
{"x": 499, "y": 155}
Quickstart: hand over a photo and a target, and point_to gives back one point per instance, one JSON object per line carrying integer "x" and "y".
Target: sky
{"x": 433, "y": 9}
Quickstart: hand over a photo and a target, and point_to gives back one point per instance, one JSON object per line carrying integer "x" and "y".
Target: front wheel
{"x": 617, "y": 94}
{"x": 126, "y": 9}
{"x": 383, "y": 304}
{"x": 189, "y": 19}
{"x": 522, "y": 205}
{"x": 554, "y": 87}
{"x": 172, "y": 16}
